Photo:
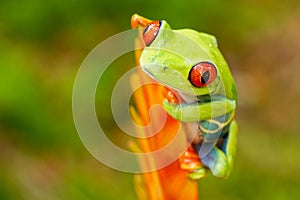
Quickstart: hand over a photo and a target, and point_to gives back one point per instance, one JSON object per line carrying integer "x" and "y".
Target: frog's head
{"x": 185, "y": 60}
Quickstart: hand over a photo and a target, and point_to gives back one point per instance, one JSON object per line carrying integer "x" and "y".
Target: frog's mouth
{"x": 175, "y": 81}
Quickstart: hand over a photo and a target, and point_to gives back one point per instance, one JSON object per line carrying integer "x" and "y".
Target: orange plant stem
{"x": 171, "y": 182}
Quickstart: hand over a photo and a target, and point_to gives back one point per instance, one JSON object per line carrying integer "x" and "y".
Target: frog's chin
{"x": 188, "y": 97}
{"x": 195, "y": 92}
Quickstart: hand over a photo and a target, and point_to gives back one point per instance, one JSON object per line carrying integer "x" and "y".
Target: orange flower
{"x": 171, "y": 182}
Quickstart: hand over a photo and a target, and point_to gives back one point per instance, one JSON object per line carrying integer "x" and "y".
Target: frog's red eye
{"x": 150, "y": 32}
{"x": 202, "y": 74}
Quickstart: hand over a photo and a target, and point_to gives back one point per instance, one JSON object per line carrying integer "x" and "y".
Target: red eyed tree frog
{"x": 190, "y": 64}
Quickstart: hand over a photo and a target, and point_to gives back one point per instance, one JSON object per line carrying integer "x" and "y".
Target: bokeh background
{"x": 43, "y": 44}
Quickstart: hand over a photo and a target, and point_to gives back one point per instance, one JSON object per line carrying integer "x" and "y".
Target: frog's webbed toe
{"x": 217, "y": 162}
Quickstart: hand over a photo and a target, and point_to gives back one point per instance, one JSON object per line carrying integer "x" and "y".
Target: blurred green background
{"x": 43, "y": 45}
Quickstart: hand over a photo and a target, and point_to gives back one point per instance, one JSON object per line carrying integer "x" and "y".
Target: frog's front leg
{"x": 220, "y": 160}
{"x": 192, "y": 112}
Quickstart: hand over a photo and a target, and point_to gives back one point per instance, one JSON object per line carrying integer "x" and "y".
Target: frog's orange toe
{"x": 190, "y": 160}
{"x": 190, "y": 165}
{"x": 170, "y": 96}
{"x": 139, "y": 21}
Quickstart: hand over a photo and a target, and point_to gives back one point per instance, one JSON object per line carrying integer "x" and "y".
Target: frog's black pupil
{"x": 146, "y": 29}
{"x": 205, "y": 77}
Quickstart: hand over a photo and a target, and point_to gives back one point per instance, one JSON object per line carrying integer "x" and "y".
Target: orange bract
{"x": 171, "y": 182}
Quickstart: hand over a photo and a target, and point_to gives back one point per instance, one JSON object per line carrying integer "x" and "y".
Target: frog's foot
{"x": 189, "y": 160}
{"x": 217, "y": 162}
{"x": 198, "y": 174}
